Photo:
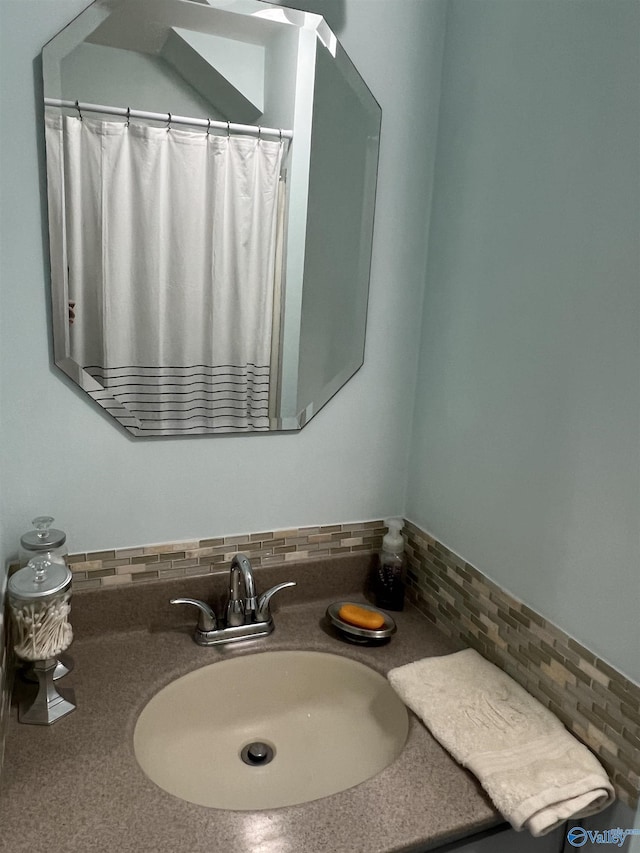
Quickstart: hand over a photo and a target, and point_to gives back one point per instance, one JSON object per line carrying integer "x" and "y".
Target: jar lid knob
{"x": 40, "y": 566}
{"x": 42, "y": 524}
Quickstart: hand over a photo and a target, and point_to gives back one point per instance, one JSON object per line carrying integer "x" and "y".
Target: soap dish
{"x": 360, "y": 635}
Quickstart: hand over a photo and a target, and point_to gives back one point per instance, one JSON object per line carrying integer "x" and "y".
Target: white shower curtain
{"x": 171, "y": 240}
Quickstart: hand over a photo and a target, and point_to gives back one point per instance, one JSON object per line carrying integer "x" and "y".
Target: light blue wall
{"x": 60, "y": 453}
{"x": 103, "y": 75}
{"x": 526, "y": 447}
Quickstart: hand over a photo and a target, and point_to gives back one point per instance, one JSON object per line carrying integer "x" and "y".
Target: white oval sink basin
{"x": 330, "y": 721}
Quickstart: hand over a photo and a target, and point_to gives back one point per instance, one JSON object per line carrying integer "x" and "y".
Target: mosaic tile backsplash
{"x": 594, "y": 701}
{"x": 206, "y": 556}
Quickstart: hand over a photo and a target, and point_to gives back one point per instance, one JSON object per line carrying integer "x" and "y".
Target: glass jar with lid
{"x": 39, "y": 597}
{"x": 43, "y": 540}
{"x": 39, "y": 606}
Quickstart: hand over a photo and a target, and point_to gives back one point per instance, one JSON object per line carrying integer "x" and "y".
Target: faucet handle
{"x": 263, "y": 611}
{"x": 206, "y": 618}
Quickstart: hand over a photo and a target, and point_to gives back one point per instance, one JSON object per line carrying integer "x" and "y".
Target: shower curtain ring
{"x": 79, "y": 110}
{"x": 208, "y": 126}
{"x": 259, "y": 133}
{"x": 128, "y": 115}
{"x": 169, "y": 122}
{"x": 228, "y": 130}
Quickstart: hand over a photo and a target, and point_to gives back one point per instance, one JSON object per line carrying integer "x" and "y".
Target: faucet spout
{"x": 241, "y": 564}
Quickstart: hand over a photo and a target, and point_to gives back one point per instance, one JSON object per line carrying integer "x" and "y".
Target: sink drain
{"x": 257, "y": 753}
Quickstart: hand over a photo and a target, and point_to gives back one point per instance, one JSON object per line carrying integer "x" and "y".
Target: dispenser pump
{"x": 390, "y": 572}
{"x": 392, "y": 541}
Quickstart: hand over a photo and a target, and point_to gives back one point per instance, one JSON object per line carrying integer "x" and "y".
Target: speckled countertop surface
{"x": 76, "y": 786}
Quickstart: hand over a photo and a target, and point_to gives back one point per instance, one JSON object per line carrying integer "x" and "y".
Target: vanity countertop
{"x": 76, "y": 787}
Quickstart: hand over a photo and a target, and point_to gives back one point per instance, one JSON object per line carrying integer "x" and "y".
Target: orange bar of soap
{"x": 360, "y": 617}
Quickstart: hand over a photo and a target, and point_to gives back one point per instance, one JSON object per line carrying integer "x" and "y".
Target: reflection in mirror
{"x": 211, "y": 173}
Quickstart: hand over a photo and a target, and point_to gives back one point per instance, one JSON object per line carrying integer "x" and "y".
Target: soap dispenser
{"x": 390, "y": 572}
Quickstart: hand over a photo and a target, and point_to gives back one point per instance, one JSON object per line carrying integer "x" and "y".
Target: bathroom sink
{"x": 270, "y": 729}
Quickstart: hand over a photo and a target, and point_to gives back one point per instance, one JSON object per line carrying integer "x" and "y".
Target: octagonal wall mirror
{"x": 211, "y": 174}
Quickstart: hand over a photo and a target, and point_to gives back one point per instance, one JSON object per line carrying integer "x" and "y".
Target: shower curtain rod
{"x": 169, "y": 118}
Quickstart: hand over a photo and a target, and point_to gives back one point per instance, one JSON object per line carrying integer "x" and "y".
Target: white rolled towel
{"x": 537, "y": 774}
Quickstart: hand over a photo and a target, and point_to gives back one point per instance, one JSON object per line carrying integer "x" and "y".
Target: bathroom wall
{"x": 62, "y": 455}
{"x": 101, "y": 75}
{"x": 525, "y": 455}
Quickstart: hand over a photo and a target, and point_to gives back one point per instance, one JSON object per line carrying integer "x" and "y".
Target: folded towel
{"x": 537, "y": 774}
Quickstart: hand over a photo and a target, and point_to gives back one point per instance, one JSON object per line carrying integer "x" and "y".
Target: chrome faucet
{"x": 246, "y": 615}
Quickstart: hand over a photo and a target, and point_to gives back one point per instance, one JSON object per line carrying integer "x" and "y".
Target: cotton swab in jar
{"x": 39, "y": 603}
{"x": 42, "y": 631}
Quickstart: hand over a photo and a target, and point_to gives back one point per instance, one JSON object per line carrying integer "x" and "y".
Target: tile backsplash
{"x": 205, "y": 556}
{"x": 594, "y": 701}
